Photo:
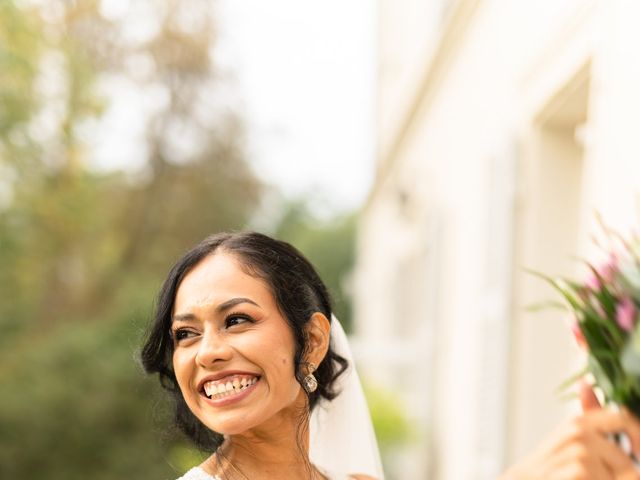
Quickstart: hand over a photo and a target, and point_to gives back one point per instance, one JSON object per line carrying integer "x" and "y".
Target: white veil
{"x": 342, "y": 439}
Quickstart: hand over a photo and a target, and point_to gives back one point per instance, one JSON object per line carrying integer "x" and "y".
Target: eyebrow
{"x": 224, "y": 306}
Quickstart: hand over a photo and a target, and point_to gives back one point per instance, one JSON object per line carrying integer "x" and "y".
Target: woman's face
{"x": 233, "y": 350}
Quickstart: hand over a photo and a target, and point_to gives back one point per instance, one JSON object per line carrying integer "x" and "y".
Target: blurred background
{"x": 421, "y": 153}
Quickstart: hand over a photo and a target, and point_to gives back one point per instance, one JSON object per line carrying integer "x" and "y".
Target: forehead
{"x": 217, "y": 278}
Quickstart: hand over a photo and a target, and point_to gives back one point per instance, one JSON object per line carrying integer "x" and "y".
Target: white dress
{"x": 197, "y": 473}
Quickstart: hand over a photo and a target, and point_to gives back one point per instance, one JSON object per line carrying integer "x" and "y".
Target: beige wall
{"x": 520, "y": 123}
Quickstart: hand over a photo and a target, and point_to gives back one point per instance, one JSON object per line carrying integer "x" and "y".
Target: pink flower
{"x": 593, "y": 282}
{"x": 606, "y": 273}
{"x": 626, "y": 314}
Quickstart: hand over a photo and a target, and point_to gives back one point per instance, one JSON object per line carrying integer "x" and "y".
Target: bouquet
{"x": 605, "y": 309}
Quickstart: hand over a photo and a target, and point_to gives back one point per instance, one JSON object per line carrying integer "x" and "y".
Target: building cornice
{"x": 453, "y": 31}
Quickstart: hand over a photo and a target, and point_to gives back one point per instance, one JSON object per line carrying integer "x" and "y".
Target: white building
{"x": 503, "y": 126}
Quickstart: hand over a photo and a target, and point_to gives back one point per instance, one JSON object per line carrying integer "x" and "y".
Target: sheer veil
{"x": 342, "y": 439}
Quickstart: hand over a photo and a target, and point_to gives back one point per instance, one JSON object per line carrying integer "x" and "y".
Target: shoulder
{"x": 360, "y": 476}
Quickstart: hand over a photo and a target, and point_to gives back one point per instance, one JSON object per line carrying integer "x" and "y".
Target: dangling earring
{"x": 309, "y": 382}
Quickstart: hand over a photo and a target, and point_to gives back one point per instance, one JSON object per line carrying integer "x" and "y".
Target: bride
{"x": 242, "y": 339}
{"x": 261, "y": 376}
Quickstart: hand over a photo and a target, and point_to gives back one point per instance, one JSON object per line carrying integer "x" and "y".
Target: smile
{"x": 228, "y": 387}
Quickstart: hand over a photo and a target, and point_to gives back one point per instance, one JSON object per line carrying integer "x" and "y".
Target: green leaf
{"x": 540, "y": 306}
{"x": 604, "y": 354}
{"x": 602, "y": 379}
{"x": 630, "y": 358}
{"x": 572, "y": 380}
{"x": 597, "y": 338}
{"x": 615, "y": 336}
{"x": 630, "y": 279}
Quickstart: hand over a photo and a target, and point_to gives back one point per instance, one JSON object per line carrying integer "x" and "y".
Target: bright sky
{"x": 306, "y": 74}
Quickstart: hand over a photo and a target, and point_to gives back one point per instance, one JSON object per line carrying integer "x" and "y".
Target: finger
{"x": 575, "y": 461}
{"x": 630, "y": 475}
{"x": 607, "y": 421}
{"x": 630, "y": 426}
{"x": 573, "y": 471}
{"x": 588, "y": 398}
{"x": 599, "y": 423}
{"x": 632, "y": 430}
{"x": 612, "y": 457}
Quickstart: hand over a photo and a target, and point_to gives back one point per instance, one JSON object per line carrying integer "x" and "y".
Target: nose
{"x": 213, "y": 348}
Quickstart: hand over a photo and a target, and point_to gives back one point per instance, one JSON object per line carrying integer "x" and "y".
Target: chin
{"x": 228, "y": 426}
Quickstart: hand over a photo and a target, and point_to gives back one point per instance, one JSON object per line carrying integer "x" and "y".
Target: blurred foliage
{"x": 388, "y": 415}
{"x": 19, "y": 45}
{"x": 83, "y": 252}
{"x": 329, "y": 245}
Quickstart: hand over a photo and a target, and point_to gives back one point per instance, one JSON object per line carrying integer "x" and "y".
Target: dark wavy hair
{"x": 299, "y": 293}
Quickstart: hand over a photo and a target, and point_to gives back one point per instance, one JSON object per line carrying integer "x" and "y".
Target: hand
{"x": 580, "y": 449}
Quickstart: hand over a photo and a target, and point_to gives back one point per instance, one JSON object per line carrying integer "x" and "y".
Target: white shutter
{"x": 494, "y": 327}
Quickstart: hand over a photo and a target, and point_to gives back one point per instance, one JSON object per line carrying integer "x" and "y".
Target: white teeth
{"x": 230, "y": 387}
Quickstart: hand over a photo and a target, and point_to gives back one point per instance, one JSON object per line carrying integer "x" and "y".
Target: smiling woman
{"x": 242, "y": 322}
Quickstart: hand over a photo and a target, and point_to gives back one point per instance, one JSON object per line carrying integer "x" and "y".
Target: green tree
{"x": 82, "y": 252}
{"x": 330, "y": 246}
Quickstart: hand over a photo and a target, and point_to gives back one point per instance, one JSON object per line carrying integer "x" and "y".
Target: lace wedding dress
{"x": 197, "y": 473}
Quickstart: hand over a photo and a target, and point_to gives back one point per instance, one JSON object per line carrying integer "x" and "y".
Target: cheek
{"x": 182, "y": 367}
{"x": 275, "y": 356}
{"x": 283, "y": 368}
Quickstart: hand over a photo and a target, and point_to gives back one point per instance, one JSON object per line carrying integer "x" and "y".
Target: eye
{"x": 237, "y": 319}
{"x": 182, "y": 333}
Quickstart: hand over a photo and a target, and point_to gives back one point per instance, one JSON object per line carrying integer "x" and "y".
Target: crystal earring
{"x": 309, "y": 382}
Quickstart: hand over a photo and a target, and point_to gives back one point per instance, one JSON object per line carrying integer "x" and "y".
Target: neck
{"x": 277, "y": 449}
